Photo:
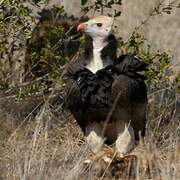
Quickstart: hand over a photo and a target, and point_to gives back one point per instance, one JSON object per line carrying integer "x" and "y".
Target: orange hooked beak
{"x": 81, "y": 27}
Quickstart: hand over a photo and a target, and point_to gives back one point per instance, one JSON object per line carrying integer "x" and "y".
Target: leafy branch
{"x": 100, "y": 6}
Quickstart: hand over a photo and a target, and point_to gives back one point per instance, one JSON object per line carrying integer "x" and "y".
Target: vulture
{"x": 106, "y": 94}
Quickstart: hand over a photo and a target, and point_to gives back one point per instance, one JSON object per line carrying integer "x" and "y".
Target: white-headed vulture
{"x": 106, "y": 95}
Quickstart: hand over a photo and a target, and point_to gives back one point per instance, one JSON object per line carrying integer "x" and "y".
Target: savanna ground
{"x": 39, "y": 139}
{"x": 42, "y": 146}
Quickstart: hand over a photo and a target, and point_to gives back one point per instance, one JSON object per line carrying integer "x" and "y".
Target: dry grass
{"x": 39, "y": 148}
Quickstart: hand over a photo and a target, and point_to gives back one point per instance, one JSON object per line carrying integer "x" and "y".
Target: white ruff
{"x": 96, "y": 62}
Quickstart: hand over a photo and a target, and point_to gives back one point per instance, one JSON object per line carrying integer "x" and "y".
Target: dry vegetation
{"x": 40, "y": 146}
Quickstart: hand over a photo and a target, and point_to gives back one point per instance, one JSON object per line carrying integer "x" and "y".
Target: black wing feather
{"x": 91, "y": 96}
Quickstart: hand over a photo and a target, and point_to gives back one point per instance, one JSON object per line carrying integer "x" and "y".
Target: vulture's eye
{"x": 99, "y": 24}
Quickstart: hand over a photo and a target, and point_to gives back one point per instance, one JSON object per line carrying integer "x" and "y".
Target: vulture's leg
{"x": 94, "y": 136}
{"x": 125, "y": 139}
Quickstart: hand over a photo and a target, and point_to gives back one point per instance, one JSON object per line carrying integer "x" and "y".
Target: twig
{"x": 114, "y": 155}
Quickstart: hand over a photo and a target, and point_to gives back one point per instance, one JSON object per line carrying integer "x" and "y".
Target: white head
{"x": 100, "y": 26}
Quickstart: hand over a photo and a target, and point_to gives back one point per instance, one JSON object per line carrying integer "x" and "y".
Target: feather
{"x": 119, "y": 81}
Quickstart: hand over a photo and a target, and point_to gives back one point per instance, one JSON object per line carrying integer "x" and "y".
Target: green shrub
{"x": 54, "y": 42}
{"x": 159, "y": 63}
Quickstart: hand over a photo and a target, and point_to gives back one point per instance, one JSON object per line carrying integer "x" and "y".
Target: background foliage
{"x": 15, "y": 29}
{"x": 33, "y": 56}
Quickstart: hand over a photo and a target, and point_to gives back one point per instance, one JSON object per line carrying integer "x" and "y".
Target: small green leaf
{"x": 117, "y": 14}
{"x": 168, "y": 12}
{"x": 36, "y": 1}
{"x": 83, "y": 2}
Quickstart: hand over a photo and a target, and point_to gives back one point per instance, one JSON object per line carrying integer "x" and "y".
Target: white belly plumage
{"x": 96, "y": 63}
